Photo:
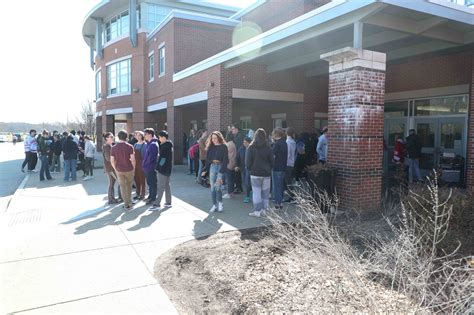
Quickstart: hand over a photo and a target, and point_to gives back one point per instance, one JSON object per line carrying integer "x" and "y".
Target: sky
{"x": 45, "y": 61}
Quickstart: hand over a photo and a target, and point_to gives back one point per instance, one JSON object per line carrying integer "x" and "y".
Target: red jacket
{"x": 399, "y": 152}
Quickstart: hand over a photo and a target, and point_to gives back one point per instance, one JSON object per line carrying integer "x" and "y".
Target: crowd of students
{"x": 77, "y": 151}
{"x": 237, "y": 163}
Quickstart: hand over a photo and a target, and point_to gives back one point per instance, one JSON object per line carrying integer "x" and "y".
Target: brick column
{"x": 175, "y": 130}
{"x": 219, "y": 102}
{"x": 470, "y": 136}
{"x": 98, "y": 133}
{"x": 356, "y": 123}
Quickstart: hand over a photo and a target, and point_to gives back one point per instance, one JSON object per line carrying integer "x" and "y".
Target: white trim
{"x": 193, "y": 98}
{"x": 115, "y": 40}
{"x": 123, "y": 110}
{"x": 279, "y": 116}
{"x": 118, "y": 60}
{"x": 426, "y": 93}
{"x": 454, "y": 6}
{"x": 98, "y": 114}
{"x": 151, "y": 53}
{"x": 247, "y": 9}
{"x": 321, "y": 15}
{"x": 98, "y": 70}
{"x": 267, "y": 95}
{"x": 161, "y": 45}
{"x": 180, "y": 14}
{"x": 320, "y": 115}
{"x": 118, "y": 95}
{"x": 156, "y": 107}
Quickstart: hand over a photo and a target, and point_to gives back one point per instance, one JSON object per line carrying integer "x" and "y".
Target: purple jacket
{"x": 151, "y": 155}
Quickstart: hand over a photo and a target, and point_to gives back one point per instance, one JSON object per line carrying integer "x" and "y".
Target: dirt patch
{"x": 247, "y": 272}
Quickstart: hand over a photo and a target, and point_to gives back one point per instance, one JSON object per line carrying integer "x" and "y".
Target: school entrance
{"x": 441, "y": 123}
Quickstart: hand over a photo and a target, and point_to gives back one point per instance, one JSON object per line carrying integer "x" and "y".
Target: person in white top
{"x": 89, "y": 152}
{"x": 290, "y": 162}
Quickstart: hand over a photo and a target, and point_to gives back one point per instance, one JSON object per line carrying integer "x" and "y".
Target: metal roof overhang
{"x": 398, "y": 28}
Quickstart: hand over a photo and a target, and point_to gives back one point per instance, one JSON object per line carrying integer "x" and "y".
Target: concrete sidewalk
{"x": 64, "y": 251}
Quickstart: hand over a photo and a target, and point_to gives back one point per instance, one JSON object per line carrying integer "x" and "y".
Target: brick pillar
{"x": 107, "y": 123}
{"x": 356, "y": 122}
{"x": 98, "y": 133}
{"x": 219, "y": 103}
{"x": 470, "y": 135}
{"x": 175, "y": 130}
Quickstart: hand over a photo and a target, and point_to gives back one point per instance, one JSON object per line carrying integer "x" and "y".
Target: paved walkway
{"x": 64, "y": 251}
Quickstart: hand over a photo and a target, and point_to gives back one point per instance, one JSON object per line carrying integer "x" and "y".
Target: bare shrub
{"x": 408, "y": 260}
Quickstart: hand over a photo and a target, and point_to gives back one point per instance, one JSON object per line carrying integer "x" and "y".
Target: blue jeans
{"x": 278, "y": 178}
{"x": 152, "y": 182}
{"x": 414, "y": 169}
{"x": 245, "y": 174}
{"x": 44, "y": 167}
{"x": 229, "y": 178}
{"x": 216, "y": 189}
{"x": 70, "y": 167}
{"x": 190, "y": 164}
{"x": 200, "y": 170}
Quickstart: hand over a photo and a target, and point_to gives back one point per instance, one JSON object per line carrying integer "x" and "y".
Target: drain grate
{"x": 30, "y": 216}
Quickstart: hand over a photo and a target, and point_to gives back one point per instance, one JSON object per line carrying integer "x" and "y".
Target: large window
{"x": 98, "y": 86}
{"x": 162, "y": 60}
{"x": 119, "y": 77}
{"x": 449, "y": 105}
{"x": 117, "y": 26}
{"x": 154, "y": 14}
{"x": 151, "y": 67}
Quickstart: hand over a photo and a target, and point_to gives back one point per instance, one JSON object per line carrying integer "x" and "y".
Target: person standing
{"x": 259, "y": 162}
{"x": 290, "y": 162}
{"x": 43, "y": 153}
{"x": 202, "y": 154}
{"x": 238, "y": 139}
{"x": 139, "y": 148}
{"x": 413, "y": 146}
{"x": 322, "y": 148}
{"x": 109, "y": 139}
{"x": 216, "y": 164}
{"x": 164, "y": 166}
{"x": 28, "y": 155}
{"x": 122, "y": 158}
{"x": 70, "y": 159}
{"x": 280, "y": 156}
{"x": 241, "y": 167}
{"x": 89, "y": 152}
{"x": 150, "y": 157}
{"x": 57, "y": 149}
{"x": 230, "y": 173}
{"x": 191, "y": 141}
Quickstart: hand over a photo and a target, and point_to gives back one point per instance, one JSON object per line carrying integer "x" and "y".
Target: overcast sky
{"x": 46, "y": 72}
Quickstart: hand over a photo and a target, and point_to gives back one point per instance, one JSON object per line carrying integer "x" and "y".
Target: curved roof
{"x": 108, "y": 8}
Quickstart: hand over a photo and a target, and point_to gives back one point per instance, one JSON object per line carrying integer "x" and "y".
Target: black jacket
{"x": 259, "y": 159}
{"x": 70, "y": 150}
{"x": 414, "y": 146}
{"x": 165, "y": 160}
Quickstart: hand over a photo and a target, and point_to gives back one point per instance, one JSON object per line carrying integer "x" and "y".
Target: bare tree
{"x": 86, "y": 119}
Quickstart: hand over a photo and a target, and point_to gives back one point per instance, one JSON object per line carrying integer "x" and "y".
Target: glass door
{"x": 427, "y": 130}
{"x": 393, "y": 127}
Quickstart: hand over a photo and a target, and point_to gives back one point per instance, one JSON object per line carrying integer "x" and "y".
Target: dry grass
{"x": 408, "y": 258}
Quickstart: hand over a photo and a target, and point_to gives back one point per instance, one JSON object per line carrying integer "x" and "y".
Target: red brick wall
{"x": 470, "y": 138}
{"x": 195, "y": 41}
{"x": 429, "y": 72}
{"x": 356, "y": 123}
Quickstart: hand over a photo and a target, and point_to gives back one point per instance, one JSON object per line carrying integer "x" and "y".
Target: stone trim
{"x": 349, "y": 57}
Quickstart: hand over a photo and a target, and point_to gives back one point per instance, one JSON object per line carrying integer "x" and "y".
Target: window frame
{"x": 161, "y": 60}
{"x": 117, "y": 68}
{"x": 151, "y": 66}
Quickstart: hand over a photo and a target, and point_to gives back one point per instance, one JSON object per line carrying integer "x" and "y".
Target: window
{"x": 97, "y": 86}
{"x": 396, "y": 109}
{"x": 151, "y": 69}
{"x": 279, "y": 121}
{"x": 154, "y": 15}
{"x": 162, "y": 60}
{"x": 117, "y": 26}
{"x": 245, "y": 122}
{"x": 118, "y": 77}
{"x": 319, "y": 123}
{"x": 450, "y": 105}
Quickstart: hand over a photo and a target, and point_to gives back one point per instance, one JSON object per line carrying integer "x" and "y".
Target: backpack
{"x": 300, "y": 147}
{"x": 193, "y": 150}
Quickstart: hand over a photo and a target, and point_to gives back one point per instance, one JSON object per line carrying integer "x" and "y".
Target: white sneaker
{"x": 227, "y": 196}
{"x": 87, "y": 178}
{"x": 255, "y": 214}
{"x": 221, "y": 207}
{"x": 263, "y": 213}
{"x": 213, "y": 208}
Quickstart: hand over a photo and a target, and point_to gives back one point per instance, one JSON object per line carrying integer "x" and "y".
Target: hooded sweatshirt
{"x": 259, "y": 159}
{"x": 151, "y": 155}
{"x": 165, "y": 161}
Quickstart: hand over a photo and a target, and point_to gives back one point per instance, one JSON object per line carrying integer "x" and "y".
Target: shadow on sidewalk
{"x": 109, "y": 219}
{"x": 147, "y": 220}
{"x": 86, "y": 214}
{"x": 201, "y": 229}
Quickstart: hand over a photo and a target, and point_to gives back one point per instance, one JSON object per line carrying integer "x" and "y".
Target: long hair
{"x": 259, "y": 138}
{"x": 219, "y": 135}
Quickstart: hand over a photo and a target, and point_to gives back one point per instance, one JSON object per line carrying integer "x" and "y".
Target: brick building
{"x": 369, "y": 69}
